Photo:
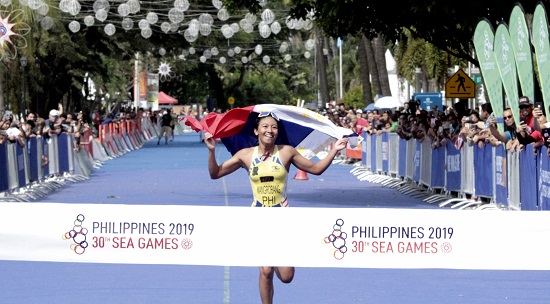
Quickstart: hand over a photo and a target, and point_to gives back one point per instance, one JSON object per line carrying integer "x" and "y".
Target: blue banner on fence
{"x": 4, "y": 181}
{"x": 501, "y": 176}
{"x": 364, "y": 148}
{"x": 385, "y": 152}
{"x": 544, "y": 180}
{"x": 402, "y": 166}
{"x": 438, "y": 162}
{"x": 452, "y": 168}
{"x": 483, "y": 171}
{"x": 373, "y": 153}
{"x": 45, "y": 157}
{"x": 528, "y": 179}
{"x": 417, "y": 151}
{"x": 20, "y": 155}
{"x": 63, "y": 151}
{"x": 33, "y": 158}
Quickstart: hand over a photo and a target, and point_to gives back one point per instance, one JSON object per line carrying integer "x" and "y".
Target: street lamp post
{"x": 23, "y": 61}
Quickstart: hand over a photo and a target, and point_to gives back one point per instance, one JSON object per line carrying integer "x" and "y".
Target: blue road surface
{"x": 176, "y": 174}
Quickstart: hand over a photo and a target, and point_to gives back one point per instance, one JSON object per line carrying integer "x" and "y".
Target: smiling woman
{"x": 268, "y": 165}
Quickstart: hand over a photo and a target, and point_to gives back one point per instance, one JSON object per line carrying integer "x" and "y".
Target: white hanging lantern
{"x": 181, "y": 5}
{"x": 202, "y": 59}
{"x": 89, "y": 21}
{"x": 206, "y": 53}
{"x": 109, "y": 29}
{"x": 250, "y": 17}
{"x": 206, "y": 19}
{"x": 307, "y": 54}
{"x": 194, "y": 26}
{"x": 189, "y": 36}
{"x": 222, "y": 60}
{"x": 152, "y": 17}
{"x": 308, "y": 25}
{"x": 248, "y": 28}
{"x": 74, "y": 26}
{"x": 265, "y": 30}
{"x": 275, "y": 27}
{"x": 268, "y": 16}
{"x": 175, "y": 16}
{"x": 123, "y": 10}
{"x": 217, "y": 4}
{"x": 287, "y": 57}
{"x": 230, "y": 52}
{"x": 146, "y": 33}
{"x": 74, "y": 7}
{"x": 174, "y": 27}
{"x": 162, "y": 51}
{"x": 43, "y": 9}
{"x": 205, "y": 29}
{"x": 227, "y": 31}
{"x": 127, "y": 24}
{"x": 165, "y": 27}
{"x": 258, "y": 49}
{"x": 223, "y": 14}
{"x": 192, "y": 50}
{"x": 244, "y": 59}
{"x": 101, "y": 5}
{"x": 235, "y": 27}
{"x": 266, "y": 59}
{"x": 214, "y": 51}
{"x": 134, "y": 6}
{"x": 143, "y": 24}
{"x": 290, "y": 22}
{"x": 35, "y": 4}
{"x": 237, "y": 50}
{"x": 101, "y": 15}
{"x": 46, "y": 22}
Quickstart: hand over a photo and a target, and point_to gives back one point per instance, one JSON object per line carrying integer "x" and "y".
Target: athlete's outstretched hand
{"x": 341, "y": 144}
{"x": 209, "y": 141}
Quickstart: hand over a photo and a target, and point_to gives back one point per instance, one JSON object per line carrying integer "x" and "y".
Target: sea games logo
{"x": 129, "y": 235}
{"x": 419, "y": 240}
{"x": 77, "y": 235}
{"x": 338, "y": 240}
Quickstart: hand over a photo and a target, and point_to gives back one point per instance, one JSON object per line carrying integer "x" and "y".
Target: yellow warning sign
{"x": 460, "y": 85}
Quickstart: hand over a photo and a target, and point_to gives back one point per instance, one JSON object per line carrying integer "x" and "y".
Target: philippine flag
{"x": 307, "y": 131}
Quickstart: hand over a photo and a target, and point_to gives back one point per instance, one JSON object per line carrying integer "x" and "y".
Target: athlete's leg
{"x": 266, "y": 284}
{"x": 285, "y": 274}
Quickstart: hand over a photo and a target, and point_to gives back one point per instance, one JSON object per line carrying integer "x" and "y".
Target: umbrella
{"x": 309, "y": 132}
{"x": 388, "y": 102}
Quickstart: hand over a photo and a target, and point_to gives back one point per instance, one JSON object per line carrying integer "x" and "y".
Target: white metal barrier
{"x": 512, "y": 182}
{"x": 426, "y": 163}
{"x": 393, "y": 151}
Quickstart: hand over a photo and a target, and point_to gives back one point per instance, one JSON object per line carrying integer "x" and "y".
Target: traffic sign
{"x": 460, "y": 85}
{"x": 231, "y": 100}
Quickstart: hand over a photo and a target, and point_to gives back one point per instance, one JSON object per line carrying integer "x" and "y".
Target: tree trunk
{"x": 332, "y": 55}
{"x": 380, "y": 53}
{"x": 364, "y": 66}
{"x": 322, "y": 69}
{"x": 373, "y": 68}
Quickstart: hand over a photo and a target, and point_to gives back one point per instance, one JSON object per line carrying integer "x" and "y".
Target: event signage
{"x": 542, "y": 51}
{"x": 483, "y": 43}
{"x": 519, "y": 37}
{"x": 507, "y": 67}
{"x": 245, "y": 236}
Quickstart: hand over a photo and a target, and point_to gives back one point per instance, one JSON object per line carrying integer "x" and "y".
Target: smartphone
{"x": 538, "y": 104}
{"x": 522, "y": 119}
{"x": 433, "y": 121}
{"x": 546, "y": 135}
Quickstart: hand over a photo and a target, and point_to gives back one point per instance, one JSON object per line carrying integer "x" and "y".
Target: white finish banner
{"x": 302, "y": 237}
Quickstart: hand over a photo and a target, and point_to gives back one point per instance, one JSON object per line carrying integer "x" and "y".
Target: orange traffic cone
{"x": 301, "y": 175}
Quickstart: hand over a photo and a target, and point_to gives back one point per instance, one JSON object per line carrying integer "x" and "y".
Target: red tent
{"x": 165, "y": 99}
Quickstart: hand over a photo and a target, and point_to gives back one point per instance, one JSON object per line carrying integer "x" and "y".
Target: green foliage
{"x": 261, "y": 87}
{"x": 353, "y": 99}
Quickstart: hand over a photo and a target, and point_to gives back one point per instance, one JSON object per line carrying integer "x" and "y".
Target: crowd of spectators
{"x": 19, "y": 130}
{"x": 464, "y": 126}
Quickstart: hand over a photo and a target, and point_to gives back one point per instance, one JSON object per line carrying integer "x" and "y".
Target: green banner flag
{"x": 542, "y": 51}
{"x": 519, "y": 35}
{"x": 483, "y": 44}
{"x": 507, "y": 67}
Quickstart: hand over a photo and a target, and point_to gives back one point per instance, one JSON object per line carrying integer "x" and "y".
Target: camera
{"x": 468, "y": 120}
